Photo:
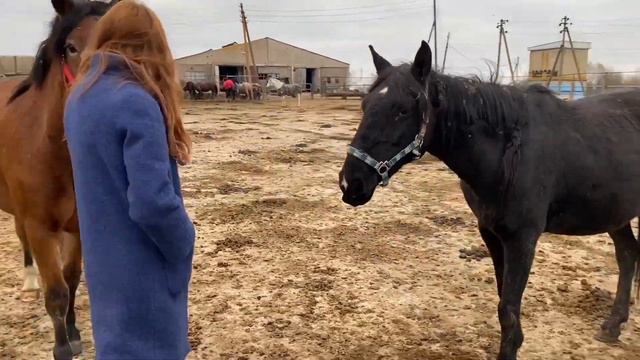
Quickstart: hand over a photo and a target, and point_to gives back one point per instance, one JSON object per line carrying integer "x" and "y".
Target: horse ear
{"x": 381, "y": 63}
{"x": 421, "y": 67}
{"x": 62, "y": 7}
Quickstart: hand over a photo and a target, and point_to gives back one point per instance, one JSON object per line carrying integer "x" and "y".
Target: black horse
{"x": 528, "y": 163}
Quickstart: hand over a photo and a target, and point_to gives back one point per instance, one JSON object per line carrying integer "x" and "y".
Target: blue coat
{"x": 137, "y": 239}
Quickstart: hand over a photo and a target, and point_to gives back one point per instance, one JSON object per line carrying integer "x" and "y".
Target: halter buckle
{"x": 383, "y": 167}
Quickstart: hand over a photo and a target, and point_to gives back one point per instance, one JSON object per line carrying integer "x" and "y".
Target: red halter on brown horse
{"x": 36, "y": 184}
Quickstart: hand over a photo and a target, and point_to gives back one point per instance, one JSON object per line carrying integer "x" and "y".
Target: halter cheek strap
{"x": 69, "y": 78}
{"x": 383, "y": 167}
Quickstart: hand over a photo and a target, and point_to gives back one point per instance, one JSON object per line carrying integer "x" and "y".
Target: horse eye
{"x": 72, "y": 50}
{"x": 403, "y": 113}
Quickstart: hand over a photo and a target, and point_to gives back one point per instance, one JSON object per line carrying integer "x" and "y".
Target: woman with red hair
{"x": 126, "y": 137}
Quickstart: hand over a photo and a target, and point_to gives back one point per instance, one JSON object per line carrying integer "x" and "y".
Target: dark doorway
{"x": 311, "y": 80}
{"x": 233, "y": 72}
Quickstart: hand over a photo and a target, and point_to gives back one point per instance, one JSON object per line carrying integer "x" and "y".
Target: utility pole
{"x": 503, "y": 38}
{"x": 446, "y": 51}
{"x": 435, "y": 31}
{"x": 564, "y": 24}
{"x": 250, "y": 60}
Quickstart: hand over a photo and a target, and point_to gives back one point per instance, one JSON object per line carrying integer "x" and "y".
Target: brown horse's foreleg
{"x": 72, "y": 271}
{"x": 627, "y": 256}
{"x": 30, "y": 286}
{"x": 45, "y": 245}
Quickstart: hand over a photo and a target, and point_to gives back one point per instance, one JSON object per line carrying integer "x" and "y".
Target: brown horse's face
{"x": 77, "y": 41}
{"x": 78, "y": 38}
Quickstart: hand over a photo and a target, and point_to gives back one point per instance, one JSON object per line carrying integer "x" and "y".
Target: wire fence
{"x": 569, "y": 87}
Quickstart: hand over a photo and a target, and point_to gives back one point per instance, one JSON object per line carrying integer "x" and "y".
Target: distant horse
{"x": 191, "y": 89}
{"x": 251, "y": 91}
{"x": 528, "y": 163}
{"x": 208, "y": 87}
{"x": 283, "y": 89}
{"x": 197, "y": 91}
{"x": 36, "y": 183}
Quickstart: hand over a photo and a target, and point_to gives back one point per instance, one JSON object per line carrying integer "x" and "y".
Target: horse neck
{"x": 54, "y": 93}
{"x": 476, "y": 158}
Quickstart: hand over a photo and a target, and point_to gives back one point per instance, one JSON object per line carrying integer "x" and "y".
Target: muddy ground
{"x": 284, "y": 270}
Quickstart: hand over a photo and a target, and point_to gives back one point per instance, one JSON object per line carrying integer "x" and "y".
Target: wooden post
{"x": 575, "y": 59}
{"x": 503, "y": 38}
{"x": 247, "y": 65}
{"x": 564, "y": 23}
{"x": 250, "y": 58}
{"x": 446, "y": 50}
{"x": 499, "y": 52}
{"x": 506, "y": 47}
{"x": 435, "y": 31}
{"x": 555, "y": 64}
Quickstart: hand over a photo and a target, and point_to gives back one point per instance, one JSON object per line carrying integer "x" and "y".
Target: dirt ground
{"x": 284, "y": 270}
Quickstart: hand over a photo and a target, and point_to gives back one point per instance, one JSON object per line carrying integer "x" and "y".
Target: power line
{"x": 377, "y": 12}
{"x": 342, "y": 21}
{"x": 462, "y": 54}
{"x": 335, "y": 9}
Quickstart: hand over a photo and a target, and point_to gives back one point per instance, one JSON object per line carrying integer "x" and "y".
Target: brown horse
{"x": 36, "y": 184}
{"x": 251, "y": 91}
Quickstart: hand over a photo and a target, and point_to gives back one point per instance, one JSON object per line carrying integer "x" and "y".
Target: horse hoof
{"x": 30, "y": 296}
{"x": 607, "y": 337}
{"x": 76, "y": 347}
{"x": 63, "y": 352}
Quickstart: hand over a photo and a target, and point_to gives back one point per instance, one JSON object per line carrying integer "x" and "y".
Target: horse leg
{"x": 519, "y": 251}
{"x": 494, "y": 244}
{"x": 627, "y": 255}
{"x": 45, "y": 245}
{"x": 30, "y": 285}
{"x": 72, "y": 271}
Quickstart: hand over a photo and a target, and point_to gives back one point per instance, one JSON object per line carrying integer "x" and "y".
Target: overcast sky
{"x": 343, "y": 28}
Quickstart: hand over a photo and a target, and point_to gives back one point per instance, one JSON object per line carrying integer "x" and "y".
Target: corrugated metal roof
{"x": 578, "y": 45}
{"x": 267, "y": 39}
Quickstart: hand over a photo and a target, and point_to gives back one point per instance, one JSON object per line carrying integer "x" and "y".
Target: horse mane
{"x": 502, "y": 108}
{"x": 53, "y": 48}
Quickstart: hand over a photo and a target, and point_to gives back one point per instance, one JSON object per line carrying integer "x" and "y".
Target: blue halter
{"x": 383, "y": 167}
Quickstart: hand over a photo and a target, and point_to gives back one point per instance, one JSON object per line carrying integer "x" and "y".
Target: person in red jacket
{"x": 229, "y": 87}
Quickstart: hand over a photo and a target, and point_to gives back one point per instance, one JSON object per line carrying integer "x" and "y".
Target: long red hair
{"x": 134, "y": 32}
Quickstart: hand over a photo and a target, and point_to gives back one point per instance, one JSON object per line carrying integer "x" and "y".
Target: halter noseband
{"x": 383, "y": 167}
{"x": 69, "y": 78}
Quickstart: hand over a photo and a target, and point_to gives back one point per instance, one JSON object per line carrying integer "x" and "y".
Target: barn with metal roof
{"x": 273, "y": 58}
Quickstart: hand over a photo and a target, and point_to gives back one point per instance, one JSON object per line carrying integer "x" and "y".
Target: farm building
{"x": 15, "y": 65}
{"x": 273, "y": 58}
{"x": 566, "y": 80}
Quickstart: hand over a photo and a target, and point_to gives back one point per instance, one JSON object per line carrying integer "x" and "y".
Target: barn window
{"x": 195, "y": 76}
{"x": 337, "y": 80}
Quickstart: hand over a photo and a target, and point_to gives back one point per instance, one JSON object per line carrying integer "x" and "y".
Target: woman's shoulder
{"x": 111, "y": 94}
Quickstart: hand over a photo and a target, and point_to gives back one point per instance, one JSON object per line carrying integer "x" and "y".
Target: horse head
{"x": 69, "y": 36}
{"x": 393, "y": 129}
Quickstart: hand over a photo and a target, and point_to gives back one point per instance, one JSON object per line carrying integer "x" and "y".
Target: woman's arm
{"x": 153, "y": 202}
